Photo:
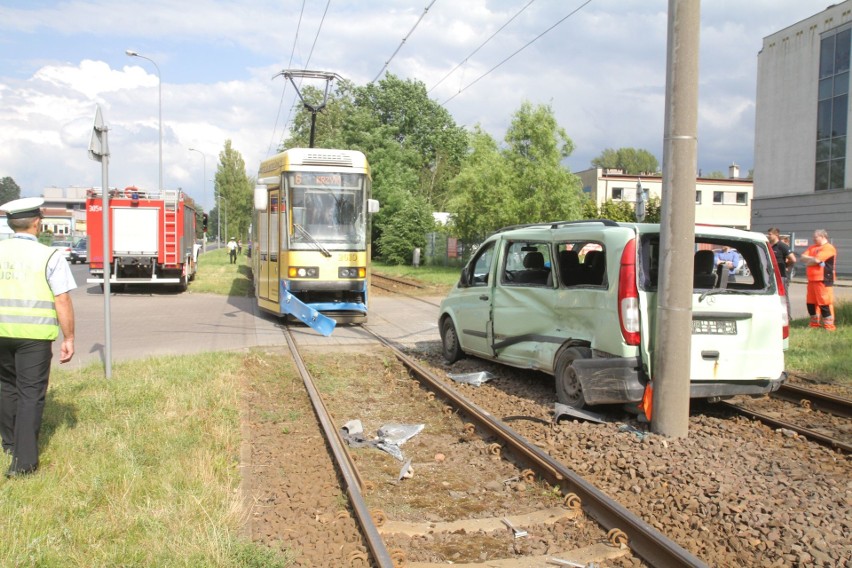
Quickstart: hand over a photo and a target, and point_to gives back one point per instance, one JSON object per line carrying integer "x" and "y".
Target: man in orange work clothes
{"x": 820, "y": 259}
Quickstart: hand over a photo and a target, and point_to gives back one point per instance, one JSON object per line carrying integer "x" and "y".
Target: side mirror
{"x": 261, "y": 198}
{"x": 372, "y": 206}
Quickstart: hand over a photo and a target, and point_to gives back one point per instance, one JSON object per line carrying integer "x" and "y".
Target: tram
{"x": 311, "y": 236}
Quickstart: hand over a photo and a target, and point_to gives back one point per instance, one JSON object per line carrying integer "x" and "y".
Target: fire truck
{"x": 152, "y": 238}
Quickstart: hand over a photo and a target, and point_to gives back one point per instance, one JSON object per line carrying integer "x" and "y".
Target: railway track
{"x": 815, "y": 415}
{"x": 620, "y": 529}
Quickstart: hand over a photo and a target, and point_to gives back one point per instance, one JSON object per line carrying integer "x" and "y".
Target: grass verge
{"x": 216, "y": 274}
{"x": 140, "y": 470}
{"x": 821, "y": 355}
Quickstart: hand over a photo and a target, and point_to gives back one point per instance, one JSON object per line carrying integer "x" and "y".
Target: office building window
{"x": 742, "y": 198}
{"x": 617, "y": 193}
{"x": 698, "y": 198}
{"x": 718, "y": 196}
{"x": 832, "y": 104}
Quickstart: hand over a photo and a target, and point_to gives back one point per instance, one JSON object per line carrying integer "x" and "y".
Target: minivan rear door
{"x": 737, "y": 324}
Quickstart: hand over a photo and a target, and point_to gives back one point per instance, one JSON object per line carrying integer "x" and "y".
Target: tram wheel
{"x": 569, "y": 391}
{"x": 450, "y": 341}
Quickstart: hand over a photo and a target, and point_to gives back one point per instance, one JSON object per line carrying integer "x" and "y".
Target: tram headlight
{"x": 303, "y": 272}
{"x": 351, "y": 272}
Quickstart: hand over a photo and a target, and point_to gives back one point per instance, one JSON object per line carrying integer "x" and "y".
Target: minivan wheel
{"x": 450, "y": 341}
{"x": 568, "y": 388}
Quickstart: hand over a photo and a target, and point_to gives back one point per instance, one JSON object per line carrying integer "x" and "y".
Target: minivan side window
{"x": 581, "y": 263}
{"x": 527, "y": 264}
{"x": 479, "y": 268}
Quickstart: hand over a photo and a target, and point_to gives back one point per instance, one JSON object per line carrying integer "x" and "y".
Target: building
{"x": 802, "y": 168}
{"x": 65, "y": 212}
{"x": 725, "y": 201}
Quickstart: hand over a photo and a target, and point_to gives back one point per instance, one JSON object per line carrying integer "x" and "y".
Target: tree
{"x": 406, "y": 231}
{"x": 9, "y": 190}
{"x": 235, "y": 191}
{"x": 544, "y": 190}
{"x": 629, "y": 160}
{"x": 482, "y": 197}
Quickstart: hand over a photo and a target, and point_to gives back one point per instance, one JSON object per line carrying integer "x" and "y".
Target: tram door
{"x": 272, "y": 274}
{"x": 262, "y": 254}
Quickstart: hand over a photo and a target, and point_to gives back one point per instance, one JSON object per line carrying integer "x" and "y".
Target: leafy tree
{"x": 406, "y": 231}
{"x": 542, "y": 187}
{"x": 235, "y": 191}
{"x": 9, "y": 190}
{"x": 716, "y": 175}
{"x": 482, "y": 197}
{"x": 629, "y": 160}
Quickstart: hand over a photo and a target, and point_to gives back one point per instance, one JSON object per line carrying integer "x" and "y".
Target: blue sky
{"x": 602, "y": 70}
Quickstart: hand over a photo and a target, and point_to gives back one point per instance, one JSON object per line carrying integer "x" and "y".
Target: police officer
{"x": 35, "y": 304}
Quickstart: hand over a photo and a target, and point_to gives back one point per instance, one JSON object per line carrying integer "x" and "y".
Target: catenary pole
{"x": 670, "y": 416}
{"x": 99, "y": 151}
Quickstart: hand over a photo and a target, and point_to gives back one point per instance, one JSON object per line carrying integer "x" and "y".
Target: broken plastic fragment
{"x": 399, "y": 433}
{"x": 475, "y": 379}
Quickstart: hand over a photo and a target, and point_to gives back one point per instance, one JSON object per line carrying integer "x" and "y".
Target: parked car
{"x": 80, "y": 251}
{"x": 64, "y": 248}
{"x": 578, "y": 300}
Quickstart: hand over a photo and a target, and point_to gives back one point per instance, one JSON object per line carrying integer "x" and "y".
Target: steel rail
{"x": 344, "y": 463}
{"x": 821, "y": 401}
{"x": 648, "y": 543}
{"x": 810, "y": 434}
{"x": 397, "y": 280}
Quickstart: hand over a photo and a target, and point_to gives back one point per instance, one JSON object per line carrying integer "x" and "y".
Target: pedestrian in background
{"x": 232, "y": 250}
{"x": 786, "y": 259}
{"x": 35, "y": 303}
{"x": 730, "y": 258}
{"x": 820, "y": 259}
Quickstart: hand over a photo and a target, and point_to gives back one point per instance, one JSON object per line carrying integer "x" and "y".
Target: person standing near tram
{"x": 35, "y": 304}
{"x": 820, "y": 260}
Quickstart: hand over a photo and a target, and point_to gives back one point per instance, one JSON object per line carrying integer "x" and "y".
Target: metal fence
{"x": 442, "y": 250}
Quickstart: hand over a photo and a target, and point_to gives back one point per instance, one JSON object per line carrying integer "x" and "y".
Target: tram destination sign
{"x": 324, "y": 179}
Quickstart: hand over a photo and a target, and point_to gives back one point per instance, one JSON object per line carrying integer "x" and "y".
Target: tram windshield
{"x": 328, "y": 210}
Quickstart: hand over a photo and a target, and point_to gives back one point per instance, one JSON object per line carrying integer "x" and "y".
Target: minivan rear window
{"x": 732, "y": 264}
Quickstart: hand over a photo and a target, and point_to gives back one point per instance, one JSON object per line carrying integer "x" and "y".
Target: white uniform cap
{"x": 24, "y": 207}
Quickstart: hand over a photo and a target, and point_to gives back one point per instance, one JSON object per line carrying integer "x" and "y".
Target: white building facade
{"x": 802, "y": 173}
{"x": 725, "y": 201}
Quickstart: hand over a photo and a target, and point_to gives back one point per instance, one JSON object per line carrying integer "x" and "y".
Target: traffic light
{"x": 204, "y": 222}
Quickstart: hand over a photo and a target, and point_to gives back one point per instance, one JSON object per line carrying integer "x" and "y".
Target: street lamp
{"x": 132, "y": 53}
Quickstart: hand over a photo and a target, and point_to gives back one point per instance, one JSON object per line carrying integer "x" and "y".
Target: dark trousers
{"x": 24, "y": 374}
{"x": 233, "y": 254}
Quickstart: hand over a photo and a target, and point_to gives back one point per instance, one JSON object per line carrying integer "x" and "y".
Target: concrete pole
{"x": 671, "y": 356}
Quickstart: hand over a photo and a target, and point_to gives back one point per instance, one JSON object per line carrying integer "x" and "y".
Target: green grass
{"x": 822, "y": 355}
{"x": 216, "y": 274}
{"x": 439, "y": 276}
{"x": 139, "y": 470}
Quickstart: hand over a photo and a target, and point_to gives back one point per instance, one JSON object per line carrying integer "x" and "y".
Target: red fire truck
{"x": 152, "y": 237}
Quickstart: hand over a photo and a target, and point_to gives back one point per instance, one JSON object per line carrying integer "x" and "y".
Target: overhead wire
{"x": 483, "y": 44}
{"x": 284, "y": 90}
{"x": 539, "y": 36}
{"x": 403, "y": 41}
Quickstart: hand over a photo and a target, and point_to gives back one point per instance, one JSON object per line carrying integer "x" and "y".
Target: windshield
{"x": 327, "y": 210}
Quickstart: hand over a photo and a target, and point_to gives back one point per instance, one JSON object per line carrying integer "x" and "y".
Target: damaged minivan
{"x": 578, "y": 300}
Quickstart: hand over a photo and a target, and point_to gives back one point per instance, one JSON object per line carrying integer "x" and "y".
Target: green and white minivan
{"x": 578, "y": 300}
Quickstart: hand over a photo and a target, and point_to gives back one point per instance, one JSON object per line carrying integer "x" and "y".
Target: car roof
{"x": 534, "y": 230}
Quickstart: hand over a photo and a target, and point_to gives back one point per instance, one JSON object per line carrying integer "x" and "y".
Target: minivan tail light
{"x": 628, "y": 295}
{"x": 782, "y": 295}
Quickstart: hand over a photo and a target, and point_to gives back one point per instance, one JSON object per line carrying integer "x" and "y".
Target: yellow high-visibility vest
{"x": 27, "y": 304}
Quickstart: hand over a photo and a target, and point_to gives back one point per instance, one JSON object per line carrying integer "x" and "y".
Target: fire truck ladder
{"x": 170, "y": 228}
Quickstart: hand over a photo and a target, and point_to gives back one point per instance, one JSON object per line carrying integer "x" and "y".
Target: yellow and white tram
{"x": 311, "y": 235}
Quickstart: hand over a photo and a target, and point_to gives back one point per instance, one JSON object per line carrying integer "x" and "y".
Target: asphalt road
{"x": 155, "y": 321}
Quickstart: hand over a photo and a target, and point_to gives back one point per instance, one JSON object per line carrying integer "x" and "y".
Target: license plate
{"x": 714, "y": 327}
